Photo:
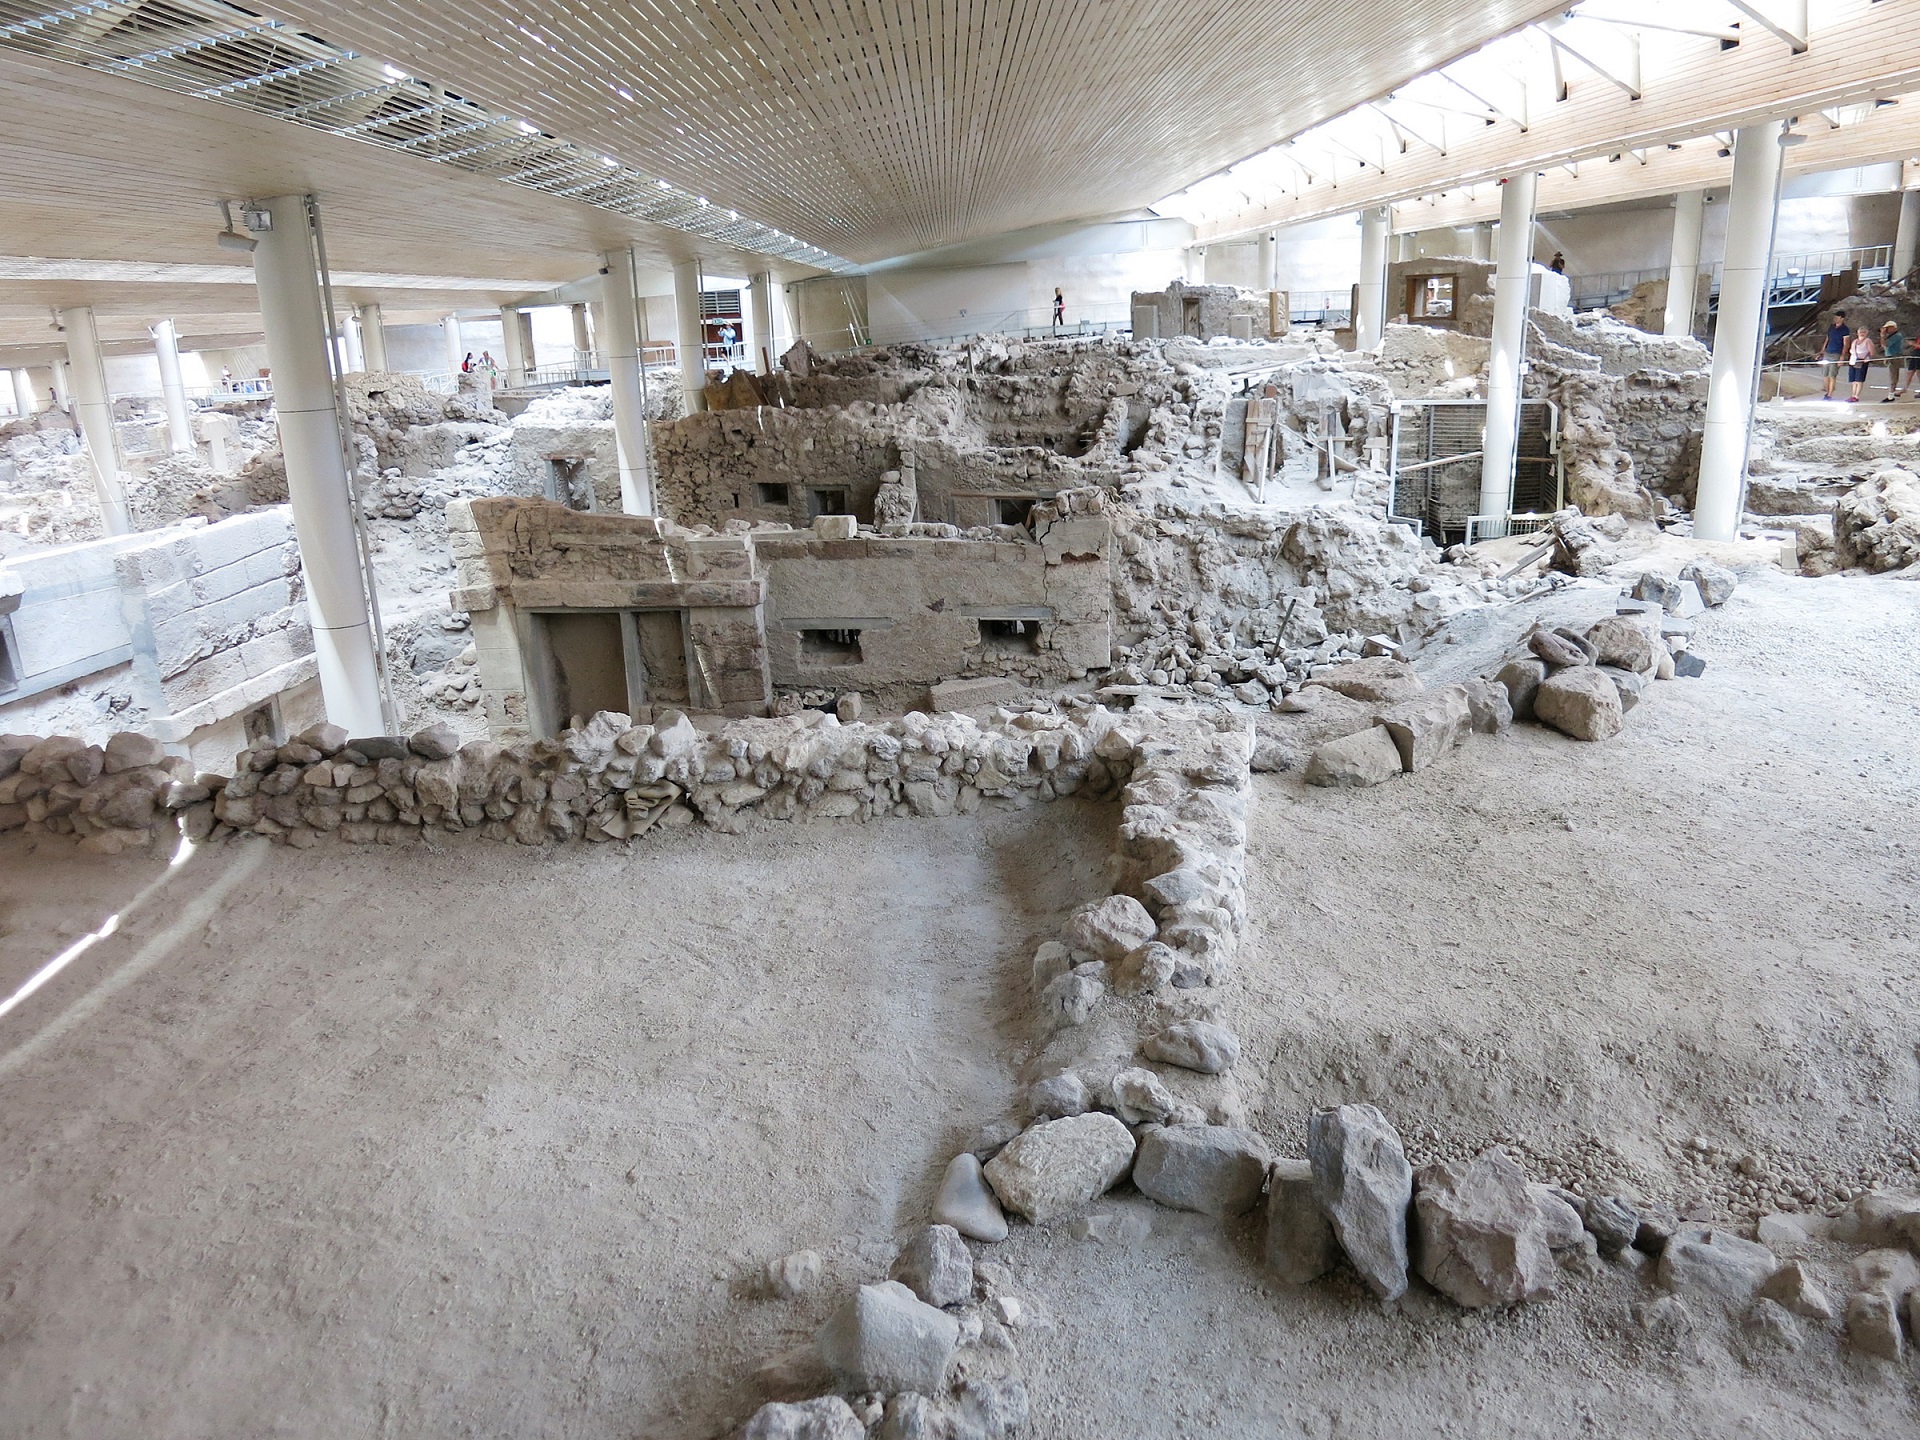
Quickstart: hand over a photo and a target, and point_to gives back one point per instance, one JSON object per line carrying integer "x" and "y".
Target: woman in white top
{"x": 1859, "y": 357}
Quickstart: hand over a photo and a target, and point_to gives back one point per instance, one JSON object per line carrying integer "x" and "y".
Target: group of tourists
{"x": 1857, "y": 349}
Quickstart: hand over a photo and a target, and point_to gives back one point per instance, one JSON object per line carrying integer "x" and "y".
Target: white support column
{"x": 690, "y": 335}
{"x": 352, "y": 358}
{"x": 173, "y": 387}
{"x": 1370, "y": 314}
{"x": 25, "y": 402}
{"x": 1267, "y": 264}
{"x": 87, "y": 374}
{"x": 450, "y": 332}
{"x": 1683, "y": 270}
{"x": 582, "y": 337}
{"x": 373, "y": 338}
{"x": 1196, "y": 265}
{"x": 1752, "y": 205}
{"x": 1906, "y": 238}
{"x": 1480, "y": 243}
{"x": 1512, "y": 293}
{"x": 760, "y": 354}
{"x": 317, "y": 483}
{"x": 513, "y": 342}
{"x": 621, "y": 341}
{"x": 62, "y": 386}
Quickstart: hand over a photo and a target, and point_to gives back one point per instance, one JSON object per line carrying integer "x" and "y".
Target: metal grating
{"x": 1436, "y": 463}
{"x": 212, "y": 50}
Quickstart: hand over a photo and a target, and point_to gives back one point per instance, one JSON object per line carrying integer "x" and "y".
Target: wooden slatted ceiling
{"x": 113, "y": 169}
{"x": 875, "y": 128}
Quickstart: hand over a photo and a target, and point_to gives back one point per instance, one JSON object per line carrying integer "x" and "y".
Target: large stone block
{"x": 1426, "y": 728}
{"x": 1057, "y": 1167}
{"x": 1364, "y": 1185}
{"x": 886, "y": 1338}
{"x": 1356, "y": 761}
{"x": 1214, "y": 1169}
{"x": 1580, "y": 702}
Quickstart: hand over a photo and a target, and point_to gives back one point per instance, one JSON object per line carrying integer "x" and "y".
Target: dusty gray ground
{"x": 348, "y": 1152}
{"x": 488, "y": 1141}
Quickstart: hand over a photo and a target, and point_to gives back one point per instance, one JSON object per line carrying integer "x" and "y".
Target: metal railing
{"x": 1793, "y": 279}
{"x": 1320, "y": 307}
{"x": 1037, "y": 324}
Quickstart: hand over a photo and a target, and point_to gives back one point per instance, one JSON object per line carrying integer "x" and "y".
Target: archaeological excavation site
{"x": 775, "y": 721}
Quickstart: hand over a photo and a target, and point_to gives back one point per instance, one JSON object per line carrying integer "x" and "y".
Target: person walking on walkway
{"x": 1059, "y": 307}
{"x": 1859, "y": 361}
{"x": 1834, "y": 352}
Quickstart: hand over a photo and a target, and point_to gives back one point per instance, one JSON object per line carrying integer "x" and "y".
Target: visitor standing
{"x": 729, "y": 337}
{"x": 1559, "y": 266}
{"x": 1859, "y": 359}
{"x": 1834, "y": 352}
{"x": 1893, "y": 345}
{"x": 466, "y": 365}
{"x": 1059, "y": 306}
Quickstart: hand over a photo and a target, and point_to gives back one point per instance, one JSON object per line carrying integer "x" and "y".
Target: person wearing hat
{"x": 1900, "y": 361}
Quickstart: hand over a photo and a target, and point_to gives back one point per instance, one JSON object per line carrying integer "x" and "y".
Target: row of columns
{"x": 1740, "y": 331}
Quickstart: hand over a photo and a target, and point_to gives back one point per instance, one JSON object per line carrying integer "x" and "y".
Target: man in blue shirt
{"x": 1835, "y": 353}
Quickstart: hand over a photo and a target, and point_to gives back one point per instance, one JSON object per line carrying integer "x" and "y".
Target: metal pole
{"x": 622, "y": 342}
{"x": 307, "y": 404}
{"x": 1752, "y": 205}
{"x": 87, "y": 375}
{"x": 1512, "y": 296}
{"x": 173, "y": 387}
{"x": 1683, "y": 270}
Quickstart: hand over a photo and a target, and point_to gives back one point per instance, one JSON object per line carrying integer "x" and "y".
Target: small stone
{"x": 1139, "y": 1097}
{"x": 1300, "y": 1243}
{"x": 129, "y": 750}
{"x": 995, "y": 1408}
{"x": 1124, "y": 1228}
{"x": 1620, "y": 640}
{"x": 1769, "y": 1324}
{"x": 1627, "y": 684}
{"x": 1792, "y": 1287}
{"x": 1356, "y": 761}
{"x": 1194, "y": 1045}
{"x": 1715, "y": 582}
{"x": 1380, "y": 679}
{"x": 1887, "y": 1272}
{"x": 937, "y": 1266}
{"x": 1556, "y": 650}
{"x": 1213, "y": 1169}
{"x": 1008, "y": 1311}
{"x": 1050, "y": 962}
{"x": 1879, "y": 1217}
{"x": 827, "y": 1418}
{"x": 436, "y": 742}
{"x": 887, "y": 1339}
{"x": 1057, "y": 1097}
{"x": 1687, "y": 665}
{"x": 1109, "y": 928}
{"x": 1521, "y": 678}
{"x": 1143, "y": 970}
{"x": 1059, "y": 1166}
{"x": 794, "y": 1275}
{"x": 1579, "y": 642}
{"x": 965, "y": 1202}
{"x": 913, "y": 1417}
{"x": 375, "y": 748}
{"x": 1791, "y": 1234}
{"x": 1364, "y": 1186}
{"x": 327, "y": 739}
{"x": 1428, "y": 728}
{"x": 847, "y": 708}
{"x": 1580, "y": 702}
{"x": 1873, "y": 1327}
{"x": 1613, "y": 1223}
{"x": 1483, "y": 1239}
{"x": 1489, "y": 706}
{"x": 1716, "y": 1263}
{"x": 1070, "y": 1000}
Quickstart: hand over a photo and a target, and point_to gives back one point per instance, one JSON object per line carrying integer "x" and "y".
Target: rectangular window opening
{"x": 261, "y": 726}
{"x": 1016, "y": 509}
{"x": 568, "y": 483}
{"x": 830, "y": 647}
{"x": 1010, "y": 637}
{"x": 827, "y": 502}
{"x": 772, "y": 494}
{"x": 1430, "y": 297}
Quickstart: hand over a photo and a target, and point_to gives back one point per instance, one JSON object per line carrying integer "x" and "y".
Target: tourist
{"x": 1910, "y": 372}
{"x": 466, "y": 365}
{"x": 1559, "y": 266}
{"x": 729, "y": 338}
{"x": 1893, "y": 345}
{"x": 1059, "y": 306}
{"x": 1834, "y": 350}
{"x": 1859, "y": 360}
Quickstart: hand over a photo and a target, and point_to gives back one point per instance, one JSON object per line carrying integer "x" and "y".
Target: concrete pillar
{"x": 1480, "y": 242}
{"x": 317, "y": 480}
{"x": 690, "y": 334}
{"x": 1739, "y": 332}
{"x": 1196, "y": 264}
{"x": 1268, "y": 265}
{"x": 620, "y": 339}
{"x": 1370, "y": 311}
{"x": 582, "y": 337}
{"x": 87, "y": 373}
{"x": 173, "y": 388}
{"x": 1513, "y": 286}
{"x": 1906, "y": 238}
{"x": 25, "y": 402}
{"x": 62, "y": 386}
{"x": 352, "y": 359}
{"x": 450, "y": 332}
{"x": 513, "y": 341}
{"x": 760, "y": 354}
{"x": 1683, "y": 270}
{"x": 373, "y": 338}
